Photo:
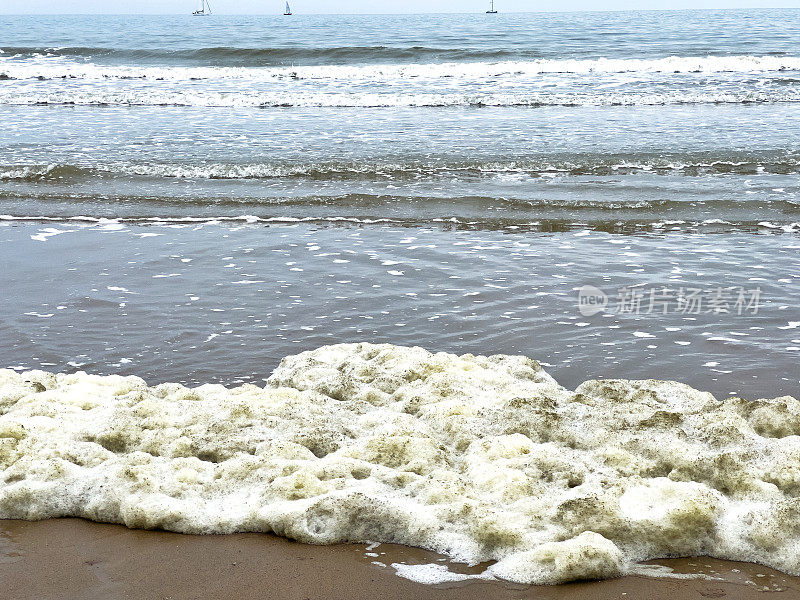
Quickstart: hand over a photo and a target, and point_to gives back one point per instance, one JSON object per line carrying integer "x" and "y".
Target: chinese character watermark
{"x": 661, "y": 299}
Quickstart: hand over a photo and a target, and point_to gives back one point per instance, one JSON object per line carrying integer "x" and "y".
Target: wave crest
{"x": 55, "y": 69}
{"x": 781, "y": 163}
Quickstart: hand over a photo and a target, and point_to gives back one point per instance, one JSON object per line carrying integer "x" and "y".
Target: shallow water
{"x": 225, "y": 301}
{"x": 493, "y": 167}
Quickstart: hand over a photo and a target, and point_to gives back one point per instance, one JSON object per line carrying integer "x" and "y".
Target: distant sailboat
{"x": 491, "y": 11}
{"x": 288, "y": 10}
{"x": 201, "y": 11}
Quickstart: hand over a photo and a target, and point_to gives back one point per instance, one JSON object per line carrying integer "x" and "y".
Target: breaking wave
{"x": 782, "y": 163}
{"x": 551, "y": 225}
{"x": 430, "y": 58}
{"x": 259, "y": 57}
{"x": 331, "y": 99}
{"x": 600, "y": 82}
{"x": 55, "y": 69}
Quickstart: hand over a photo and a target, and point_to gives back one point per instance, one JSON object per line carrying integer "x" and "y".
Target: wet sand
{"x": 76, "y": 559}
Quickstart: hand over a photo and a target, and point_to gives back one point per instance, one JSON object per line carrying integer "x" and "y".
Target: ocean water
{"x": 603, "y": 117}
{"x": 615, "y": 195}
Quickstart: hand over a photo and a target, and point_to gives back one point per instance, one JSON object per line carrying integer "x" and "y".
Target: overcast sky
{"x": 367, "y": 6}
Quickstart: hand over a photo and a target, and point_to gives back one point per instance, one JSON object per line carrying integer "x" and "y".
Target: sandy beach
{"x": 73, "y": 558}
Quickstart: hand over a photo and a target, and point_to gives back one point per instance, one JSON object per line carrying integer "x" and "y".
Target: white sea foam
{"x": 479, "y": 458}
{"x": 59, "y": 67}
{"x": 788, "y": 228}
{"x": 431, "y": 573}
{"x": 243, "y": 98}
{"x": 101, "y": 222}
{"x": 340, "y": 169}
{"x": 10, "y": 173}
{"x": 672, "y": 80}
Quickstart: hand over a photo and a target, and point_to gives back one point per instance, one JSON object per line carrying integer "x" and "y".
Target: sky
{"x": 367, "y": 6}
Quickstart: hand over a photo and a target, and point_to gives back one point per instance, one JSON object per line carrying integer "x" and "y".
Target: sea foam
{"x": 558, "y": 82}
{"x": 57, "y": 68}
{"x": 482, "y": 458}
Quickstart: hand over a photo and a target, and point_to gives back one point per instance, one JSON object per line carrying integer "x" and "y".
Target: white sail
{"x": 203, "y": 8}
{"x": 288, "y": 10}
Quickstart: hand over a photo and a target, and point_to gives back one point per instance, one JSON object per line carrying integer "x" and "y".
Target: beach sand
{"x": 73, "y": 558}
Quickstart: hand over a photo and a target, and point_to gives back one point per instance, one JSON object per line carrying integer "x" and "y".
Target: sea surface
{"x": 191, "y": 199}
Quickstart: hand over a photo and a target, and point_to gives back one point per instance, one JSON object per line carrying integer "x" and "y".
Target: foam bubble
{"x": 430, "y": 573}
{"x": 482, "y": 458}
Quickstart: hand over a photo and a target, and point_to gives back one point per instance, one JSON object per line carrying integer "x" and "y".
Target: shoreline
{"x": 74, "y": 558}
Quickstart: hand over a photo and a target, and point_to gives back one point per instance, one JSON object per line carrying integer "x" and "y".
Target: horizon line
{"x": 354, "y": 14}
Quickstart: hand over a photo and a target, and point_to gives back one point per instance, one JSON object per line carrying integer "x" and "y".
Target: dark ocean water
{"x": 529, "y": 155}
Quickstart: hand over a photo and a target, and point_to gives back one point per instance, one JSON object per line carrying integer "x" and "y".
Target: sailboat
{"x": 491, "y": 11}
{"x": 288, "y": 11}
{"x": 201, "y": 11}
